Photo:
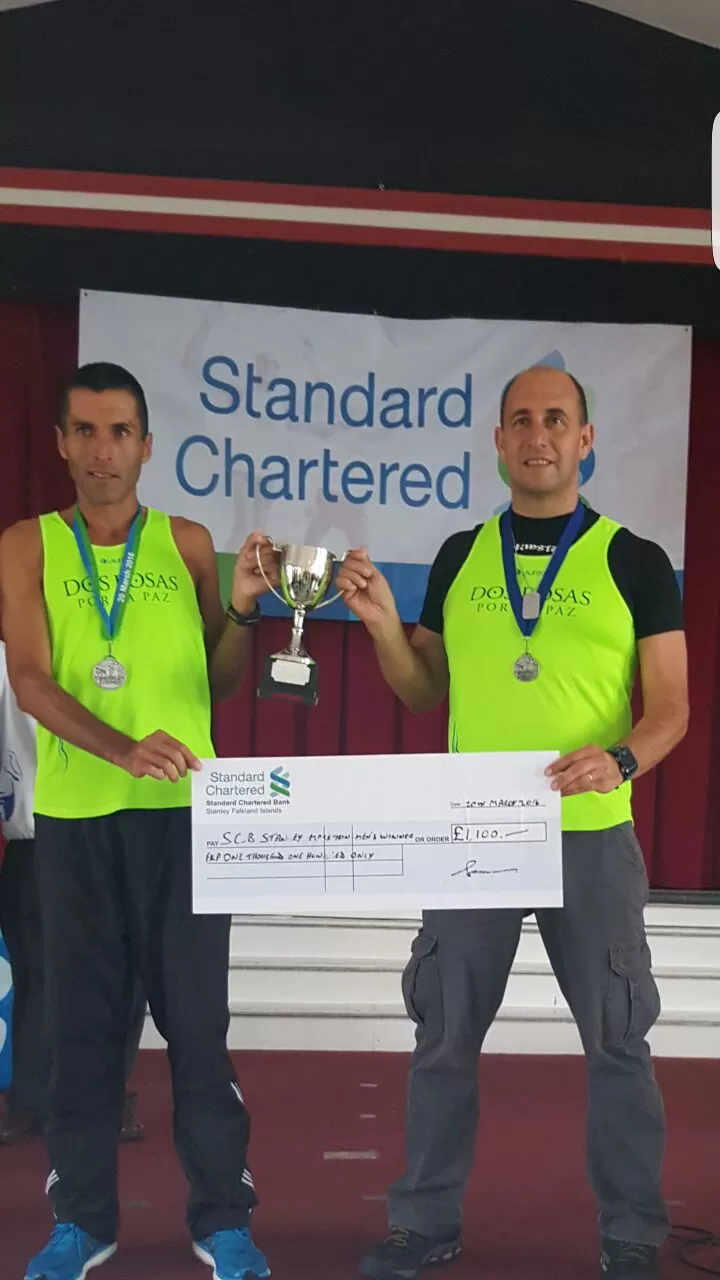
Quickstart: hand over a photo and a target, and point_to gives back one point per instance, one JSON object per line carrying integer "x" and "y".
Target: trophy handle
{"x": 265, "y": 580}
{"x": 331, "y": 599}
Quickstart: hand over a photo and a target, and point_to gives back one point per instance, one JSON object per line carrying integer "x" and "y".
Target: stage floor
{"x": 529, "y": 1213}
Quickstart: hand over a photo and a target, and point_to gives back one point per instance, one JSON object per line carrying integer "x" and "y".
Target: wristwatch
{"x": 625, "y": 761}
{"x": 243, "y": 619}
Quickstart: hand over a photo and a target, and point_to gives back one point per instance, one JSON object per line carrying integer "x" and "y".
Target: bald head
{"x": 544, "y": 435}
{"x": 545, "y": 374}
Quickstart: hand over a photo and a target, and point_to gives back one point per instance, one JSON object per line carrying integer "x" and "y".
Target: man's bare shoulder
{"x": 23, "y": 538}
{"x": 191, "y": 532}
{"x": 195, "y": 544}
{"x": 21, "y": 562}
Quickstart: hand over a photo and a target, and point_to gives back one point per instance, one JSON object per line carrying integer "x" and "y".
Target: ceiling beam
{"x": 20, "y": 4}
{"x": 697, "y": 20}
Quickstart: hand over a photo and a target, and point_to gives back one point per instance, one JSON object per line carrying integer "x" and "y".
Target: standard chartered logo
{"x": 280, "y": 783}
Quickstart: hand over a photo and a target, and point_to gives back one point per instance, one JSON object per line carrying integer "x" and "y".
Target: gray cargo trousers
{"x": 453, "y": 986}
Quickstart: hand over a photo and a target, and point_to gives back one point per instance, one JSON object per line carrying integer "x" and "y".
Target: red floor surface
{"x": 529, "y": 1213}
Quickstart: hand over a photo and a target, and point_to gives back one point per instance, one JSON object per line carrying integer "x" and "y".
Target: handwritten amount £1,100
{"x": 467, "y": 834}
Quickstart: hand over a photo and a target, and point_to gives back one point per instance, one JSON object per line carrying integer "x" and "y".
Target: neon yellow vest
{"x": 162, "y": 647}
{"x": 585, "y": 645}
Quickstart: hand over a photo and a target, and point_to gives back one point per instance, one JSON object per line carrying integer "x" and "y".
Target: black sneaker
{"x": 403, "y": 1254}
{"x": 622, "y": 1260}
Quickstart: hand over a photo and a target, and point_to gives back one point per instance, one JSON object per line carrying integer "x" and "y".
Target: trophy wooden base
{"x": 293, "y": 677}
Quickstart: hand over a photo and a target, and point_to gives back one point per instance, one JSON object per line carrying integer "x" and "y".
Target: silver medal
{"x": 526, "y": 668}
{"x": 109, "y": 674}
{"x": 531, "y": 605}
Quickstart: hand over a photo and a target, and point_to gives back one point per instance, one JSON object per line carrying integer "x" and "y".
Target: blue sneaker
{"x": 232, "y": 1255}
{"x": 68, "y": 1255}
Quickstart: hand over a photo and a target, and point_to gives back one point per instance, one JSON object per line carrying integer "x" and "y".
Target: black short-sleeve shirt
{"x": 641, "y": 570}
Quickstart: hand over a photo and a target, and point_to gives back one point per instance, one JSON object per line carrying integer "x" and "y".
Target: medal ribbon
{"x": 528, "y": 625}
{"x": 112, "y": 621}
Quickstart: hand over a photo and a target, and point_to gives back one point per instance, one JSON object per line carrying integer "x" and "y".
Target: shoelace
{"x": 635, "y": 1253}
{"x": 399, "y": 1238}
{"x": 63, "y": 1230}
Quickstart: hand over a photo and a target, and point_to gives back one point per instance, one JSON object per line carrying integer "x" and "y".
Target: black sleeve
{"x": 448, "y": 563}
{"x": 647, "y": 581}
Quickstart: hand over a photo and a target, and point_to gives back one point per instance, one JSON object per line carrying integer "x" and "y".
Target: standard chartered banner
{"x": 348, "y": 430}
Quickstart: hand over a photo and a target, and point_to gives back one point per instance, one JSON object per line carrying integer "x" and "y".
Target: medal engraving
{"x": 526, "y": 668}
{"x": 109, "y": 674}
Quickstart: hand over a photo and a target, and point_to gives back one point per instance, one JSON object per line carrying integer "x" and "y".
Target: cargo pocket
{"x": 421, "y": 989}
{"x": 632, "y": 1005}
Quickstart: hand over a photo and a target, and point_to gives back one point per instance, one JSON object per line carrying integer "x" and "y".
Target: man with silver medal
{"x": 534, "y": 626}
{"x": 114, "y": 627}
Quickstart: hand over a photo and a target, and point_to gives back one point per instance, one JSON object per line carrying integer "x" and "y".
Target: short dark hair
{"x": 582, "y": 398}
{"x": 102, "y": 376}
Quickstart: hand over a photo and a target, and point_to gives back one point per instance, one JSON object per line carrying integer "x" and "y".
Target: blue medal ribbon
{"x": 112, "y": 621}
{"x": 572, "y": 528}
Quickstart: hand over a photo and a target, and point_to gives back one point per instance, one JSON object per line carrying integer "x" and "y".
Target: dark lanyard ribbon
{"x": 528, "y": 619}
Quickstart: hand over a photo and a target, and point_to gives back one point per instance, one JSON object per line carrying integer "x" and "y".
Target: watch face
{"x": 626, "y": 761}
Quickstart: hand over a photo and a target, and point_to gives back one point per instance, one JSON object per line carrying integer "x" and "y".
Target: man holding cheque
{"x": 548, "y": 662}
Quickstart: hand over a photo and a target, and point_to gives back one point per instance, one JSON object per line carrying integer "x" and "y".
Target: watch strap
{"x": 625, "y": 760}
{"x": 243, "y": 619}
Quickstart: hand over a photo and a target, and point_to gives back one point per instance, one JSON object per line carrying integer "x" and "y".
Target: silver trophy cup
{"x": 305, "y": 575}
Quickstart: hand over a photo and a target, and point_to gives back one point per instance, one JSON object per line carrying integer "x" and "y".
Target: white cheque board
{"x": 375, "y": 834}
